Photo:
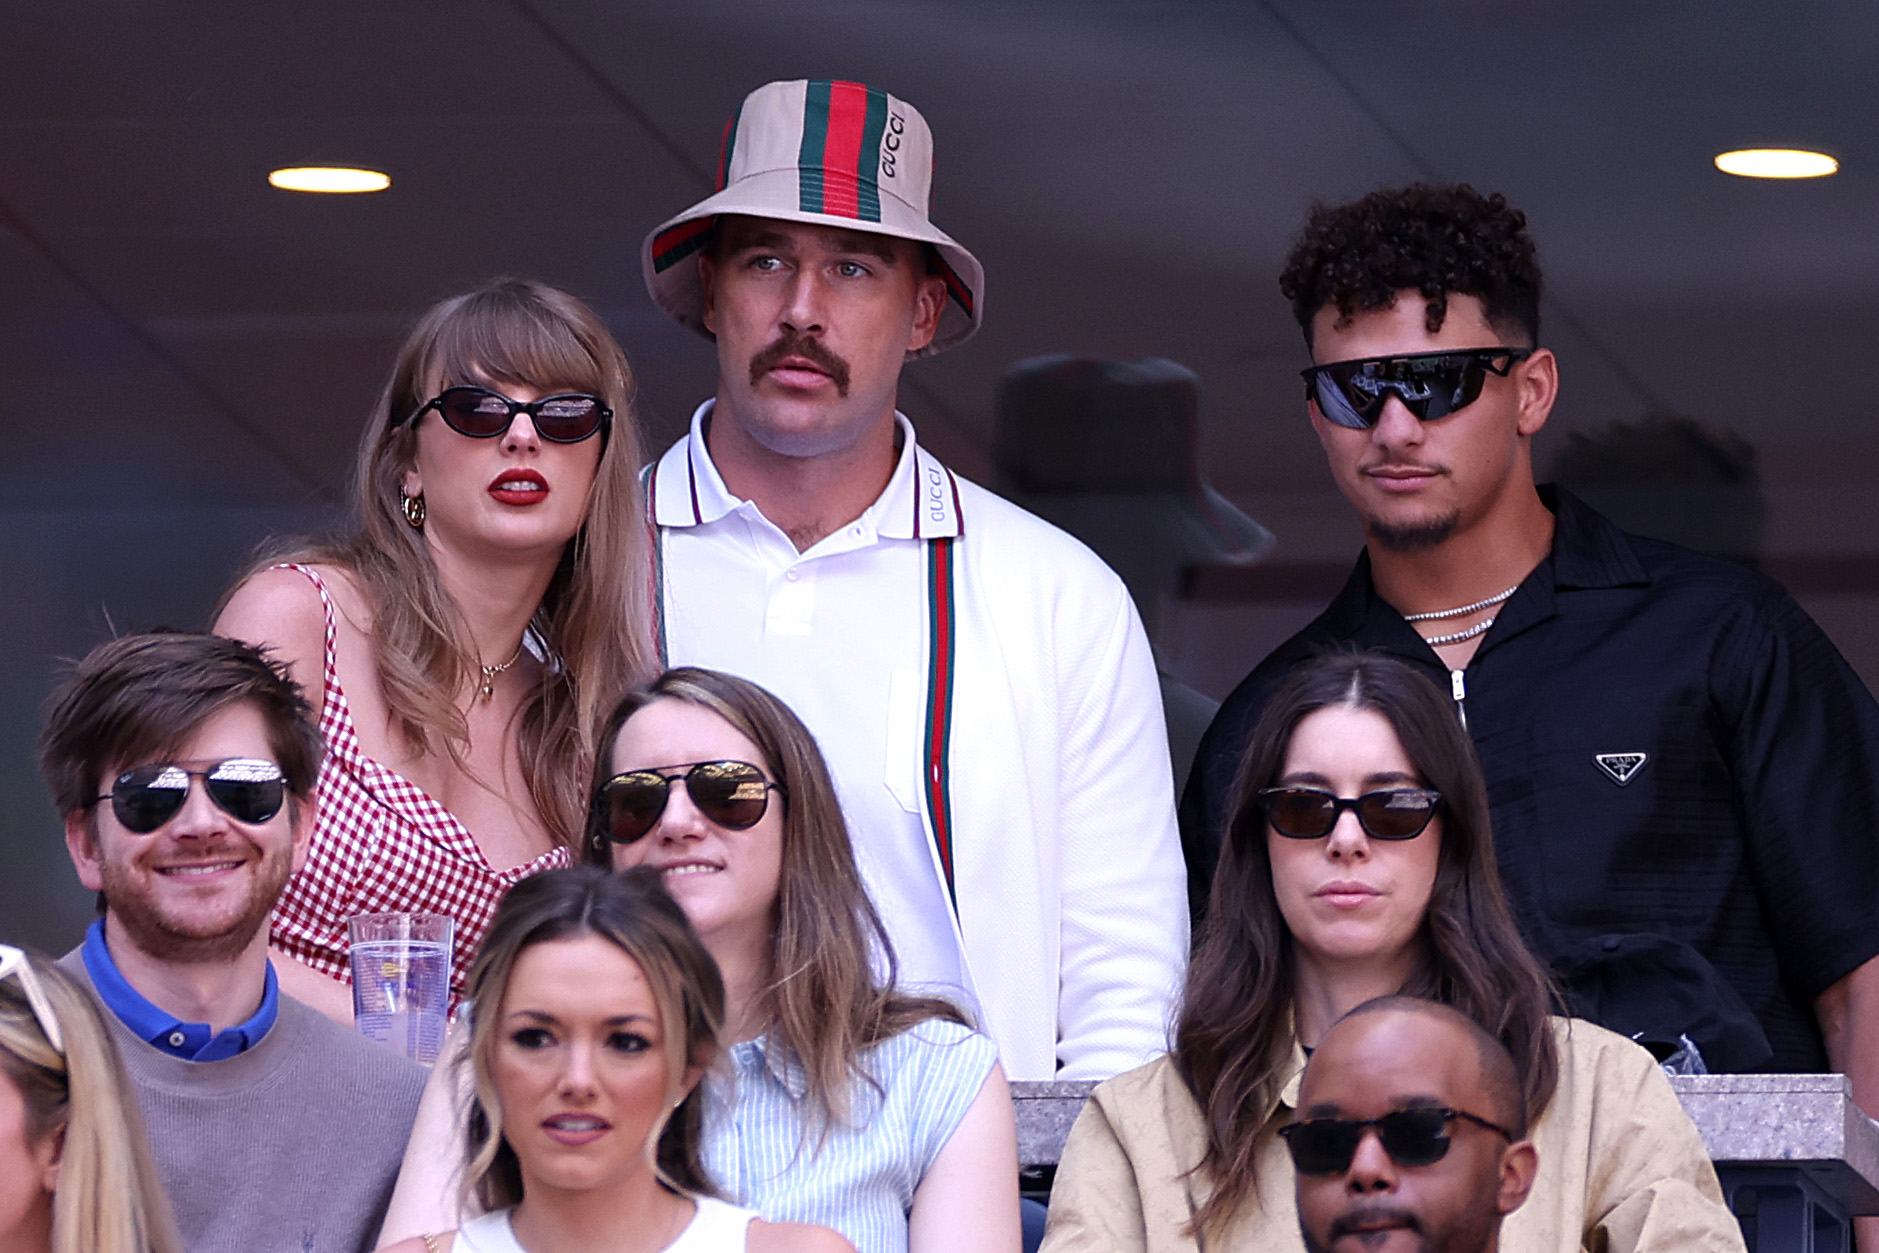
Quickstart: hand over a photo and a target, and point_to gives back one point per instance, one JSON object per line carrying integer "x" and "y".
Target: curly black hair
{"x": 1440, "y": 241}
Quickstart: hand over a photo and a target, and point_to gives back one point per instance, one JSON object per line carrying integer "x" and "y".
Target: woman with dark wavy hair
{"x": 596, "y": 1012}
{"x": 1359, "y": 863}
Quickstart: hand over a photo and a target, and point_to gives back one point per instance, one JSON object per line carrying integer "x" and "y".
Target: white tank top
{"x": 717, "y": 1227}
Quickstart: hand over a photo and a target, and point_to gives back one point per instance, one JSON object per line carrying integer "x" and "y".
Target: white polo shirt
{"x": 1037, "y": 876}
{"x": 838, "y": 633}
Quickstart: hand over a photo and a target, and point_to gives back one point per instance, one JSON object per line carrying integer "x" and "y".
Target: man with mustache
{"x": 1411, "y": 1134}
{"x": 184, "y": 766}
{"x": 979, "y": 681}
{"x": 1681, "y": 766}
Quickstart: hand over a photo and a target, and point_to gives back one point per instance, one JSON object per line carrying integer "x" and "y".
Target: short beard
{"x": 1469, "y": 1231}
{"x": 158, "y": 936}
{"x": 1413, "y": 537}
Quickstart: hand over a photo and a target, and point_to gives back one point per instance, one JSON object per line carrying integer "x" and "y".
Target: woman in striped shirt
{"x": 845, "y": 1102}
{"x": 840, "y": 1101}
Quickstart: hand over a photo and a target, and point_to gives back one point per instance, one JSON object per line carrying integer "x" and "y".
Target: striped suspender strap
{"x": 942, "y": 647}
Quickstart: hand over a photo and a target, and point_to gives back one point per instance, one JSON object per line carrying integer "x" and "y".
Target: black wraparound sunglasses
{"x": 733, "y": 794}
{"x": 1431, "y": 385}
{"x": 1305, "y": 813}
{"x": 247, "y": 789}
{"x": 482, "y": 414}
{"x": 1412, "y": 1137}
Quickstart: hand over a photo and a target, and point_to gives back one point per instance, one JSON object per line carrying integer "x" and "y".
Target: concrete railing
{"x": 1806, "y": 1123}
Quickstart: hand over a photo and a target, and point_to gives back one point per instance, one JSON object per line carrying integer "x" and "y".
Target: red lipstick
{"x": 519, "y": 487}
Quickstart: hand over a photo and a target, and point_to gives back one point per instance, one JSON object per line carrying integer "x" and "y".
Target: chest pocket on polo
{"x": 1628, "y": 816}
{"x": 905, "y": 736}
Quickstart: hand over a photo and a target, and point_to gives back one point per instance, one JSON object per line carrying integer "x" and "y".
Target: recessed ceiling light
{"x": 1776, "y": 163}
{"x": 328, "y": 179}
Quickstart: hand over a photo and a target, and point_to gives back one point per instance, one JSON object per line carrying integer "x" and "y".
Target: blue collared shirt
{"x": 191, "y": 1041}
{"x": 764, "y": 1148}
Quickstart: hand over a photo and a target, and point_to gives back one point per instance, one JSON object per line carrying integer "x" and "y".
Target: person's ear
{"x": 301, "y": 814}
{"x": 929, "y": 302}
{"x": 1519, "y": 1164}
{"x": 1538, "y": 381}
{"x": 47, "y": 1155}
{"x": 81, "y": 843}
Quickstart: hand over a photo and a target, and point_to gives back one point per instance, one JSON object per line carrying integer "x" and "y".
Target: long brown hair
{"x": 1234, "y": 1036}
{"x": 109, "y": 1198}
{"x": 824, "y": 995}
{"x": 632, "y": 911}
{"x": 593, "y": 624}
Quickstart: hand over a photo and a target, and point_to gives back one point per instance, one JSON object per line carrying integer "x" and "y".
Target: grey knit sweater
{"x": 290, "y": 1147}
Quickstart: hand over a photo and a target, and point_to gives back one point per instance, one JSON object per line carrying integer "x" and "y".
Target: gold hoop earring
{"x": 413, "y": 507}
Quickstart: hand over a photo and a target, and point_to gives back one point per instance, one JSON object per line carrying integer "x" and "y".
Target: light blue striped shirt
{"x": 760, "y": 1150}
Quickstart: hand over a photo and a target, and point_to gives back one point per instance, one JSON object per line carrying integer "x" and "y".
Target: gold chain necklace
{"x": 490, "y": 673}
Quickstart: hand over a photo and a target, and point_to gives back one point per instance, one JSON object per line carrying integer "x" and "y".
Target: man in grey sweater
{"x": 184, "y": 768}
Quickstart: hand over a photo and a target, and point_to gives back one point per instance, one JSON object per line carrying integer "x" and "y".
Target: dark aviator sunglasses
{"x": 1431, "y": 385}
{"x": 247, "y": 789}
{"x": 482, "y": 414}
{"x": 733, "y": 794}
{"x": 1412, "y": 1137}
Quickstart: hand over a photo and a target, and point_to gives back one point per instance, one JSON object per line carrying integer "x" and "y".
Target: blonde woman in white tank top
{"x": 716, "y": 1227}
{"x": 596, "y": 1012}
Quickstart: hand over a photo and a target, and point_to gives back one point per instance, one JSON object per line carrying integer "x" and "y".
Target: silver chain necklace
{"x": 1464, "y": 611}
{"x": 1456, "y": 637}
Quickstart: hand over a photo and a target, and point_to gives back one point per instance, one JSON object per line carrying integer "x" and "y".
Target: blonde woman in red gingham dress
{"x": 489, "y": 607}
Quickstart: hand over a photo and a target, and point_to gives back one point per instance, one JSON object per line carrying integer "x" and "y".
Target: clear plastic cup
{"x": 401, "y": 980}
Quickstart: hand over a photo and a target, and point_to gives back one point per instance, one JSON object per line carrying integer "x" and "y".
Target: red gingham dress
{"x": 381, "y": 843}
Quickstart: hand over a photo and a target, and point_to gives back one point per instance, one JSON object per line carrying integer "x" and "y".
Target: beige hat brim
{"x": 678, "y": 291}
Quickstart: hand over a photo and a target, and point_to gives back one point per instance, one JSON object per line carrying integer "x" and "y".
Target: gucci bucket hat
{"x": 829, "y": 153}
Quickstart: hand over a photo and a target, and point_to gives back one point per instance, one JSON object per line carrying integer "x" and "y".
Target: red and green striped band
{"x": 674, "y": 245}
{"x": 939, "y": 703}
{"x": 838, "y": 165}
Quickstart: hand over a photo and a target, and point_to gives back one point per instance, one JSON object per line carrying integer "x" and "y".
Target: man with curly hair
{"x": 1680, "y": 765}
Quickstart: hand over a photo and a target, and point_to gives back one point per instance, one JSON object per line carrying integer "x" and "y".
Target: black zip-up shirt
{"x": 1751, "y": 829}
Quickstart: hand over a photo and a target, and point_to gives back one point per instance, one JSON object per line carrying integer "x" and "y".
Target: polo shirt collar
{"x": 191, "y": 1041}
{"x": 769, "y": 1054}
{"x": 920, "y": 501}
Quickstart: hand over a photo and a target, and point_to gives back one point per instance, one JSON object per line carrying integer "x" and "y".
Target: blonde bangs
{"x": 490, "y": 337}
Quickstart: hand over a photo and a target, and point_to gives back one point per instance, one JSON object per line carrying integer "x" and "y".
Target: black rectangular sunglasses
{"x": 1431, "y": 385}
{"x": 1412, "y": 1137}
{"x": 1305, "y": 813}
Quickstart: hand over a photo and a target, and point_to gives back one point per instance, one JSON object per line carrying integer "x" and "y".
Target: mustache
{"x": 1370, "y": 1218}
{"x": 810, "y": 349}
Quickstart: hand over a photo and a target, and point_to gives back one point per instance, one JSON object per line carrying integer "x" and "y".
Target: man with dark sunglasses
{"x": 184, "y": 768}
{"x": 1411, "y": 1134}
{"x": 979, "y": 681}
{"x": 1681, "y": 767}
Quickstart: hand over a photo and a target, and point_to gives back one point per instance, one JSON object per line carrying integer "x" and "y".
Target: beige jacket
{"x": 1622, "y": 1168}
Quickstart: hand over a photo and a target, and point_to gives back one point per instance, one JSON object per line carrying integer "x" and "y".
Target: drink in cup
{"x": 401, "y": 980}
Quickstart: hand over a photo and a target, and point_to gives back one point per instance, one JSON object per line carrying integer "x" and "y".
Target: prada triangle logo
{"x": 1621, "y": 767}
